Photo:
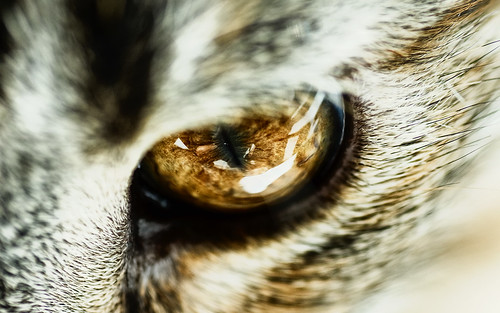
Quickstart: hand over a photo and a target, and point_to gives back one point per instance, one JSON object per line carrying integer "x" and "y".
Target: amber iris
{"x": 251, "y": 163}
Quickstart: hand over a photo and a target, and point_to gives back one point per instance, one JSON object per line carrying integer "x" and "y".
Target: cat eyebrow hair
{"x": 419, "y": 50}
{"x": 247, "y": 17}
{"x": 247, "y": 14}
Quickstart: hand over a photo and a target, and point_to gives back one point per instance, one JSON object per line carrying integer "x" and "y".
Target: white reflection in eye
{"x": 249, "y": 150}
{"x": 310, "y": 114}
{"x": 221, "y": 164}
{"x": 290, "y": 146}
{"x": 180, "y": 144}
{"x": 259, "y": 183}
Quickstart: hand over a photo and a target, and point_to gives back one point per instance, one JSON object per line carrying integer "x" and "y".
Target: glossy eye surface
{"x": 254, "y": 162}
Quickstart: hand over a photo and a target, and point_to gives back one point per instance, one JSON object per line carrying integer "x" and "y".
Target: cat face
{"x": 116, "y": 119}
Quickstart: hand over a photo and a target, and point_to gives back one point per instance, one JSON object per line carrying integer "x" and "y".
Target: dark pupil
{"x": 230, "y": 145}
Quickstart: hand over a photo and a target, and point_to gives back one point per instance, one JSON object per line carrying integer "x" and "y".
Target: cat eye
{"x": 258, "y": 161}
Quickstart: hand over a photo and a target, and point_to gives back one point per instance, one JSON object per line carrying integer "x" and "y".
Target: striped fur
{"x": 87, "y": 87}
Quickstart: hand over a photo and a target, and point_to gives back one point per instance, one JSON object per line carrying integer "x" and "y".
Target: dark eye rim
{"x": 191, "y": 224}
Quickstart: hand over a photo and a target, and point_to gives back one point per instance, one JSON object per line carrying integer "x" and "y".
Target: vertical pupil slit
{"x": 230, "y": 145}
